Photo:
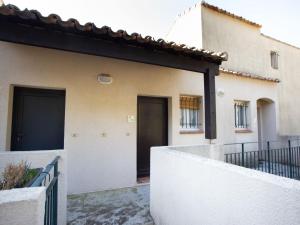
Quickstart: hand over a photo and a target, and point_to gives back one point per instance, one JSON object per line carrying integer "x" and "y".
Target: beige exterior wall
{"x": 249, "y": 51}
{"x": 97, "y": 161}
{"x": 93, "y": 109}
{"x": 238, "y": 88}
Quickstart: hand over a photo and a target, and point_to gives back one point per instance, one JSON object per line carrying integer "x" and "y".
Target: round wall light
{"x": 104, "y": 78}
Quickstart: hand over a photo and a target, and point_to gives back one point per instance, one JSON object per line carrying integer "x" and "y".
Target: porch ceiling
{"x": 31, "y": 28}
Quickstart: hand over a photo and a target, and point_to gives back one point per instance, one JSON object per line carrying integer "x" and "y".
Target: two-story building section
{"x": 258, "y": 86}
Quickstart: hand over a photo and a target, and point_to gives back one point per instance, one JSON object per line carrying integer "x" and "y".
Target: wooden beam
{"x": 73, "y": 42}
{"x": 210, "y": 103}
{"x": 50, "y": 38}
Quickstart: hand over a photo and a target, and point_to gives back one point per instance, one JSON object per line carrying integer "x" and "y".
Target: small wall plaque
{"x": 131, "y": 119}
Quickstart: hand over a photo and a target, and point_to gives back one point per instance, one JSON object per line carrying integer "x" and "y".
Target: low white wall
{"x": 22, "y": 206}
{"x": 41, "y": 159}
{"x": 190, "y": 189}
{"x": 213, "y": 151}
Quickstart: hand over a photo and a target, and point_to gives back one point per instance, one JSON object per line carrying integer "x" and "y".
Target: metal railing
{"x": 49, "y": 178}
{"x": 281, "y": 161}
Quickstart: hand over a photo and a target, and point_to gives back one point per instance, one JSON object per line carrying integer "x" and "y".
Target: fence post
{"x": 269, "y": 161}
{"x": 243, "y": 155}
{"x": 290, "y": 160}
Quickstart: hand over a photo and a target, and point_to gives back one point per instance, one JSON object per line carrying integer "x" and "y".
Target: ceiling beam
{"x": 49, "y": 38}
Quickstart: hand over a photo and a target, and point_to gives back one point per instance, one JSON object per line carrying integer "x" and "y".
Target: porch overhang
{"x": 29, "y": 27}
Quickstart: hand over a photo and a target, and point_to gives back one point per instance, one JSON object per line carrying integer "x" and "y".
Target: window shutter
{"x": 274, "y": 60}
{"x": 189, "y": 102}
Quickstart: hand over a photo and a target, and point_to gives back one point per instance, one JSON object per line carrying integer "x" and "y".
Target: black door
{"x": 38, "y": 119}
{"x": 152, "y": 130}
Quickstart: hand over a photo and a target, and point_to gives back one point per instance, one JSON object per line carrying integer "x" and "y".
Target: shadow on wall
{"x": 266, "y": 121}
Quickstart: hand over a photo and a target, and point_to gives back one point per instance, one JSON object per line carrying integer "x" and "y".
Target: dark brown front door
{"x": 152, "y": 130}
{"x": 38, "y": 119}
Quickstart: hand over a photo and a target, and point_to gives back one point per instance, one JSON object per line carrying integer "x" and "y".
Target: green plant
{"x": 16, "y": 175}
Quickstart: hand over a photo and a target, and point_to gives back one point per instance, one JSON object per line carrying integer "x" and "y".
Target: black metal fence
{"x": 282, "y": 161}
{"x": 49, "y": 178}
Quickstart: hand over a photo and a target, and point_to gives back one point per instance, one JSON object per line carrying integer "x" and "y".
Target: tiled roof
{"x": 217, "y": 9}
{"x": 282, "y": 42}
{"x": 249, "y": 75}
{"x": 53, "y": 21}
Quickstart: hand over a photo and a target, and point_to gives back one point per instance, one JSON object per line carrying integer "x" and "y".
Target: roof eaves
{"x": 282, "y": 42}
{"x": 217, "y": 9}
{"x": 53, "y": 21}
{"x": 248, "y": 75}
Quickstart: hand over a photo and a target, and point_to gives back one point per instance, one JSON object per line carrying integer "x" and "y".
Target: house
{"x": 257, "y": 86}
{"x": 106, "y": 97}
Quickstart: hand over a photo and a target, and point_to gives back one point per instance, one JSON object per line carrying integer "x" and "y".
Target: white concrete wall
{"x": 22, "y": 206}
{"x": 38, "y": 159}
{"x": 189, "y": 23}
{"x": 210, "y": 192}
{"x": 211, "y": 151}
{"x": 219, "y": 33}
{"x": 249, "y": 51}
{"x": 239, "y": 88}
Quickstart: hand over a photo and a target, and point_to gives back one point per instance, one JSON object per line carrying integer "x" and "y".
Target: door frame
{"x": 167, "y": 114}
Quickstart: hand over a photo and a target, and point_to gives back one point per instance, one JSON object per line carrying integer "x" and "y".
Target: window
{"x": 274, "y": 59}
{"x": 190, "y": 113}
{"x": 241, "y": 109}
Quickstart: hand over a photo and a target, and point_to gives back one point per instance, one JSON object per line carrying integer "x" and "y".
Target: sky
{"x": 279, "y": 18}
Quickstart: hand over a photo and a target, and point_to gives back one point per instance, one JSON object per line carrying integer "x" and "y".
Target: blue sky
{"x": 280, "y": 18}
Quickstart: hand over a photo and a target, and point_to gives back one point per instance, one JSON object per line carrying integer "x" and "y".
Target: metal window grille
{"x": 240, "y": 113}
{"x": 190, "y": 112}
{"x": 274, "y": 60}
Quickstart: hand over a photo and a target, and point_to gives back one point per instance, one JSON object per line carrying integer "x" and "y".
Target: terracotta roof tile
{"x": 217, "y": 9}
{"x": 249, "y": 75}
{"x": 282, "y": 42}
{"x": 53, "y": 21}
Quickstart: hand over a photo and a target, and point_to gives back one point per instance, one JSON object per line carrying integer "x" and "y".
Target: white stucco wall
{"x": 22, "y": 206}
{"x": 40, "y": 159}
{"x": 97, "y": 161}
{"x": 210, "y": 192}
{"x": 249, "y": 51}
{"x": 211, "y": 151}
{"x": 239, "y": 88}
{"x": 189, "y": 23}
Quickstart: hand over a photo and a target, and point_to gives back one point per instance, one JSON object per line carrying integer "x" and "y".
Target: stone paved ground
{"x": 127, "y": 206}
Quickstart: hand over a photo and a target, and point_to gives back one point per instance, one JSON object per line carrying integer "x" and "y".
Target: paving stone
{"x": 127, "y": 206}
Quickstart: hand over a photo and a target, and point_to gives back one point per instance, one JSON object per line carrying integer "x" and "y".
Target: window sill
{"x": 243, "y": 131}
{"x": 191, "y": 132}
